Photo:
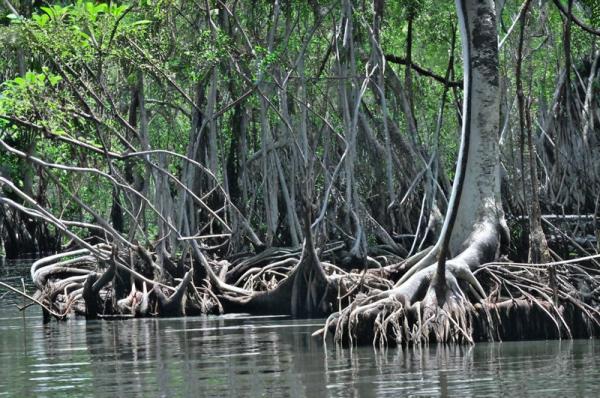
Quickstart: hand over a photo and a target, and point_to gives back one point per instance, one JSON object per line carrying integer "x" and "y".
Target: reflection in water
{"x": 272, "y": 356}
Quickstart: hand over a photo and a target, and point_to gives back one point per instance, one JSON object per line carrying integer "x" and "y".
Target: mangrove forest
{"x": 406, "y": 171}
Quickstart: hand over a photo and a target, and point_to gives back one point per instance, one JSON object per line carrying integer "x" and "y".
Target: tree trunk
{"x": 480, "y": 203}
{"x": 474, "y": 230}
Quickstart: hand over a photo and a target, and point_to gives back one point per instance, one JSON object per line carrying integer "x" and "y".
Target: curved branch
{"x": 577, "y": 21}
{"x": 422, "y": 71}
{"x": 174, "y": 305}
{"x": 91, "y": 289}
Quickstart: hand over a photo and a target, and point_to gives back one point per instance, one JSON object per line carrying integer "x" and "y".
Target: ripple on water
{"x": 241, "y": 355}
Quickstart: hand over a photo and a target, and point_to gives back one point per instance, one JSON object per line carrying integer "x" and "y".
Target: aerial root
{"x": 497, "y": 301}
{"x": 565, "y": 306}
{"x": 520, "y": 304}
{"x": 175, "y": 304}
{"x": 450, "y": 322}
{"x": 392, "y": 320}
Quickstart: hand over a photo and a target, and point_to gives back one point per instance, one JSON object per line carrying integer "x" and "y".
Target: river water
{"x": 244, "y": 356}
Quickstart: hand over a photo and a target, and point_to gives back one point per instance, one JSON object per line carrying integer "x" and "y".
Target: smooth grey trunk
{"x": 477, "y": 181}
{"x": 474, "y": 228}
{"x": 212, "y": 124}
{"x": 350, "y": 101}
{"x": 270, "y": 186}
{"x": 379, "y": 59}
{"x": 587, "y": 114}
{"x": 287, "y": 189}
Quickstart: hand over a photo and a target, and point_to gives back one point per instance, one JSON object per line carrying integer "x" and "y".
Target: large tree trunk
{"x": 474, "y": 228}
{"x": 478, "y": 169}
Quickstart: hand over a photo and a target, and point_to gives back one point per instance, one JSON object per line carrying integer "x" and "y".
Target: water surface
{"x": 244, "y": 356}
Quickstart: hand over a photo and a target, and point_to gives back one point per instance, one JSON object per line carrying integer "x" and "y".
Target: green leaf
{"x": 47, "y": 10}
{"x": 89, "y": 7}
{"x": 14, "y": 19}
{"x": 117, "y": 11}
{"x": 142, "y": 22}
{"x": 102, "y": 7}
{"x": 54, "y": 79}
{"x": 41, "y": 20}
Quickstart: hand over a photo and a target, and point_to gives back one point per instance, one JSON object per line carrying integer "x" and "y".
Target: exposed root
{"x": 520, "y": 305}
{"x": 408, "y": 314}
{"x": 175, "y": 304}
{"x": 46, "y": 309}
{"x": 494, "y": 301}
{"x": 305, "y": 292}
{"x": 136, "y": 303}
{"x": 91, "y": 290}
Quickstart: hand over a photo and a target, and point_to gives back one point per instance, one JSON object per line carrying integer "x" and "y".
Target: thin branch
{"x": 425, "y": 72}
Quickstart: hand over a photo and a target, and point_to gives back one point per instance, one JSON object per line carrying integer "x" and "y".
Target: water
{"x": 241, "y": 356}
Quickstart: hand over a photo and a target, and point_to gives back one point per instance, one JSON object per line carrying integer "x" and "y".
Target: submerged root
{"x": 519, "y": 307}
{"x": 305, "y": 292}
{"x": 489, "y": 302}
{"x": 395, "y": 317}
{"x": 175, "y": 304}
{"x": 521, "y": 304}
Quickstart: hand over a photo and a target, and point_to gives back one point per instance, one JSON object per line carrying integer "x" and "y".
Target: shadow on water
{"x": 272, "y": 356}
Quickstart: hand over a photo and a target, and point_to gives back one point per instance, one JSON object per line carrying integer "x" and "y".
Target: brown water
{"x": 243, "y": 356}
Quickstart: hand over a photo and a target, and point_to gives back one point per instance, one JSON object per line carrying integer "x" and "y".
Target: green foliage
{"x": 594, "y": 11}
{"x": 265, "y": 59}
{"x": 411, "y": 8}
{"x": 28, "y": 97}
{"x": 80, "y": 31}
{"x": 85, "y": 59}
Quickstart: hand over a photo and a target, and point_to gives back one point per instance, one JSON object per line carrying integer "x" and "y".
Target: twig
{"x": 56, "y": 314}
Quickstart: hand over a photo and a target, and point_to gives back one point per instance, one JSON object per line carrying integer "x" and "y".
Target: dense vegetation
{"x": 298, "y": 157}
